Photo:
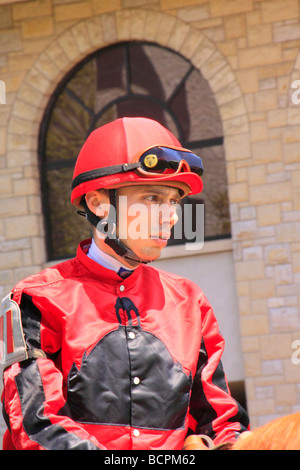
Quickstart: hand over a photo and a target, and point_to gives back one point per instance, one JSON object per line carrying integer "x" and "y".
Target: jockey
{"x": 105, "y": 351}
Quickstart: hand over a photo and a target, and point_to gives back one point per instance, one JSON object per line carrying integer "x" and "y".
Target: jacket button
{"x": 122, "y": 288}
{"x": 136, "y": 380}
{"x": 136, "y": 432}
{"x": 131, "y": 335}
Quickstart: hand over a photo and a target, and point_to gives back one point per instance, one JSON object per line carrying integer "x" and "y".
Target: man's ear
{"x": 93, "y": 200}
{"x": 97, "y": 202}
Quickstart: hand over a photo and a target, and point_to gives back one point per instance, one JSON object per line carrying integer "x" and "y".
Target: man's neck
{"x": 106, "y": 260}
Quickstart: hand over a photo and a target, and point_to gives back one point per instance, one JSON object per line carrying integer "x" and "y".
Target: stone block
{"x": 250, "y": 344}
{"x": 279, "y": 10}
{"x": 256, "y": 56}
{"x": 228, "y": 48}
{"x": 285, "y": 394}
{"x": 277, "y": 254}
{"x": 12, "y": 259}
{"x": 32, "y": 9}
{"x": 10, "y": 41}
{"x": 68, "y": 45}
{"x": 266, "y": 100}
{"x": 268, "y": 214}
{"x": 94, "y": 28}
{"x": 21, "y": 142}
{"x": 165, "y": 29}
{"x": 284, "y": 319}
{"x": 73, "y": 11}
{"x": 37, "y": 27}
{"x": 46, "y": 66}
{"x": 293, "y": 116}
{"x": 277, "y": 118}
{"x": 291, "y": 152}
{"x": 26, "y": 186}
{"x": 123, "y": 18}
{"x": 193, "y": 13}
{"x": 290, "y": 135}
{"x": 262, "y": 288}
{"x": 203, "y": 52}
{"x": 283, "y": 274}
{"x": 13, "y": 207}
{"x": 170, "y": 4}
{"x": 271, "y": 193}
{"x": 252, "y": 253}
{"x": 244, "y": 230}
{"x": 236, "y": 125}
{"x": 296, "y": 262}
{"x": 233, "y": 109}
{"x": 250, "y": 270}
{"x": 5, "y": 185}
{"x": 82, "y": 38}
{"x": 213, "y": 65}
{"x": 6, "y": 20}
{"x": 38, "y": 80}
{"x": 286, "y": 32}
{"x": 221, "y": 80}
{"x": 108, "y": 21}
{"x": 252, "y": 364}
{"x": 259, "y": 34}
{"x": 259, "y": 131}
{"x": 273, "y": 367}
{"x": 257, "y": 175}
{"x": 238, "y": 192}
{"x": 254, "y": 325}
{"x": 276, "y": 346}
{"x": 22, "y": 226}
{"x": 291, "y": 371}
{"x": 230, "y": 7}
{"x": 106, "y": 6}
{"x": 267, "y": 151}
{"x": 17, "y": 159}
{"x": 235, "y": 26}
{"x": 288, "y": 232}
{"x": 179, "y": 35}
{"x": 3, "y": 140}
{"x": 137, "y": 24}
{"x": 237, "y": 147}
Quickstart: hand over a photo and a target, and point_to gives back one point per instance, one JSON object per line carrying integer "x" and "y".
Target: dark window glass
{"x": 128, "y": 79}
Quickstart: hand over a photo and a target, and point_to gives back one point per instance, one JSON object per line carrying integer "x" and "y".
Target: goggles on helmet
{"x": 154, "y": 162}
{"x": 163, "y": 160}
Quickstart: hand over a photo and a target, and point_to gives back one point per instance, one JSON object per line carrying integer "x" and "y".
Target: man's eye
{"x": 152, "y": 198}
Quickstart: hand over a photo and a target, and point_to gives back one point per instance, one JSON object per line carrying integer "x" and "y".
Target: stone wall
{"x": 248, "y": 50}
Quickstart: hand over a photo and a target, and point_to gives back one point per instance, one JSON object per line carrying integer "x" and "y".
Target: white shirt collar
{"x": 104, "y": 259}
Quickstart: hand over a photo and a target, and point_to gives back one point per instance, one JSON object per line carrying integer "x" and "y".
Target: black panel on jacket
{"x": 129, "y": 382}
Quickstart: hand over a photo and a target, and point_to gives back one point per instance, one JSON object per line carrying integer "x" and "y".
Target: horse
{"x": 279, "y": 434}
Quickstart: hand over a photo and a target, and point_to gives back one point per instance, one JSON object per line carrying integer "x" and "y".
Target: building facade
{"x": 248, "y": 53}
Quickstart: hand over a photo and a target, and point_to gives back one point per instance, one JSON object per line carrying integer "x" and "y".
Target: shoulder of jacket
{"x": 176, "y": 279}
{"x": 44, "y": 278}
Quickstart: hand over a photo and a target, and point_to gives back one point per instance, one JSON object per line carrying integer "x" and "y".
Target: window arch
{"x": 128, "y": 79}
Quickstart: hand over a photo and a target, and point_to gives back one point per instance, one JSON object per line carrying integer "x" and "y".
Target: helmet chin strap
{"x": 109, "y": 228}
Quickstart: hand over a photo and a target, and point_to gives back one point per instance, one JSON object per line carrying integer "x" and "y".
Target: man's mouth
{"x": 161, "y": 236}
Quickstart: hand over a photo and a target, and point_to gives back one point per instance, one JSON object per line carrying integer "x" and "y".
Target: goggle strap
{"x": 100, "y": 172}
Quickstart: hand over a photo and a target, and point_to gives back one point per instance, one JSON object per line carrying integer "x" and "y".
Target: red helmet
{"x": 127, "y": 151}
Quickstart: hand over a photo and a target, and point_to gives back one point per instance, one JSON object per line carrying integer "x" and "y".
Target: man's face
{"x": 146, "y": 215}
{"x": 150, "y": 216}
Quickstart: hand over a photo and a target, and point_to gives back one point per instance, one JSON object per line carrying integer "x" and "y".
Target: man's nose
{"x": 168, "y": 214}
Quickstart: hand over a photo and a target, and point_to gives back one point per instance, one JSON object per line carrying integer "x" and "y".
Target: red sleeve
{"x": 33, "y": 395}
{"x": 213, "y": 410}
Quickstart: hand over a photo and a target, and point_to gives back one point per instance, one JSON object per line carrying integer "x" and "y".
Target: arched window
{"x": 128, "y": 79}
